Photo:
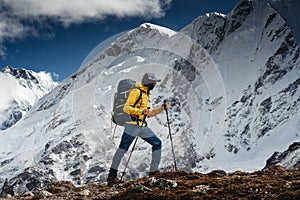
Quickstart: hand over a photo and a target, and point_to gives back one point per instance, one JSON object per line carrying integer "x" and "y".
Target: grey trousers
{"x": 130, "y": 132}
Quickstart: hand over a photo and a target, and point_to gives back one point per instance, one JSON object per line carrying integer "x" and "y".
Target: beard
{"x": 151, "y": 86}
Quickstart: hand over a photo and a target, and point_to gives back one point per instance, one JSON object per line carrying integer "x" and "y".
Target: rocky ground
{"x": 274, "y": 183}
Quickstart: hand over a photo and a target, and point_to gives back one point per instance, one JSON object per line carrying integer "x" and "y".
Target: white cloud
{"x": 76, "y": 11}
{"x": 10, "y": 28}
{"x": 55, "y": 76}
{"x": 14, "y": 14}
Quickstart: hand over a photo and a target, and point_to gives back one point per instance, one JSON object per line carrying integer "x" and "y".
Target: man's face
{"x": 151, "y": 86}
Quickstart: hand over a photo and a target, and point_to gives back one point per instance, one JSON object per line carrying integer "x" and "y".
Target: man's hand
{"x": 146, "y": 112}
{"x": 165, "y": 105}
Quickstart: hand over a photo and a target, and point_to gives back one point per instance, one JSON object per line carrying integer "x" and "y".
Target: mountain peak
{"x": 161, "y": 29}
{"x": 215, "y": 14}
{"x": 6, "y": 69}
{"x": 20, "y": 73}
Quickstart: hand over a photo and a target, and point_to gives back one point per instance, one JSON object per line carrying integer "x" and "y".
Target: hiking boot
{"x": 153, "y": 173}
{"x": 113, "y": 180}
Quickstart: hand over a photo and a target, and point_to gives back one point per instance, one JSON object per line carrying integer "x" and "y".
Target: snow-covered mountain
{"x": 256, "y": 43}
{"x": 232, "y": 82}
{"x": 289, "y": 157}
{"x": 20, "y": 89}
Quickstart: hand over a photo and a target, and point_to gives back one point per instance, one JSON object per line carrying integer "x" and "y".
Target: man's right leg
{"x": 123, "y": 148}
{"x": 130, "y": 132}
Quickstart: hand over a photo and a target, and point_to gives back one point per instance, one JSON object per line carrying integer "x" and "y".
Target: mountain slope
{"x": 20, "y": 89}
{"x": 289, "y": 9}
{"x": 232, "y": 104}
{"x": 254, "y": 42}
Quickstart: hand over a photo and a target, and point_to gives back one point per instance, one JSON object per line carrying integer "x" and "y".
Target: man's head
{"x": 149, "y": 80}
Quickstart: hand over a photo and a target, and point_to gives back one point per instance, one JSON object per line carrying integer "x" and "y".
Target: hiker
{"x": 137, "y": 126}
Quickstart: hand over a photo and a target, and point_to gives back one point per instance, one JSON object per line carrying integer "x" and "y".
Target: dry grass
{"x": 275, "y": 183}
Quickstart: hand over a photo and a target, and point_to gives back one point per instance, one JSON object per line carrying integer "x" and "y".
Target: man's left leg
{"x": 148, "y": 135}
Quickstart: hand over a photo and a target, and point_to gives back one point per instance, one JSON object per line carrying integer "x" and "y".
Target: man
{"x": 138, "y": 126}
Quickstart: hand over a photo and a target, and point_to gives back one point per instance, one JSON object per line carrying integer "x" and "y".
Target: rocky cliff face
{"x": 289, "y": 157}
{"x": 254, "y": 42}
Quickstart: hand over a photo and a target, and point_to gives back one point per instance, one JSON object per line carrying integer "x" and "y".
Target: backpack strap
{"x": 140, "y": 97}
{"x": 134, "y": 118}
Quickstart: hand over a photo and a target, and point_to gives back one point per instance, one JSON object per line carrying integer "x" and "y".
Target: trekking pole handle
{"x": 164, "y": 104}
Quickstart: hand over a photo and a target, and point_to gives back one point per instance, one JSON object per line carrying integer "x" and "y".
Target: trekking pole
{"x": 114, "y": 131}
{"x": 129, "y": 157}
{"x": 175, "y": 166}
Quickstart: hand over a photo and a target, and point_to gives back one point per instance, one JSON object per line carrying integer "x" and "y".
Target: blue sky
{"x": 57, "y": 37}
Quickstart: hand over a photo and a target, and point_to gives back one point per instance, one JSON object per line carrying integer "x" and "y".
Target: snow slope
{"x": 20, "y": 89}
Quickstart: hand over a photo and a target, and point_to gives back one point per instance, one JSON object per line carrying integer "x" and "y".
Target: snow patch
{"x": 161, "y": 29}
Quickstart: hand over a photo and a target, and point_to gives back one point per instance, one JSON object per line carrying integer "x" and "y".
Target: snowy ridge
{"x": 215, "y": 13}
{"x": 161, "y": 29}
{"x": 20, "y": 90}
{"x": 233, "y": 87}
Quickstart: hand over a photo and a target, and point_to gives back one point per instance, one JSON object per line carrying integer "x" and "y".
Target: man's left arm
{"x": 158, "y": 110}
